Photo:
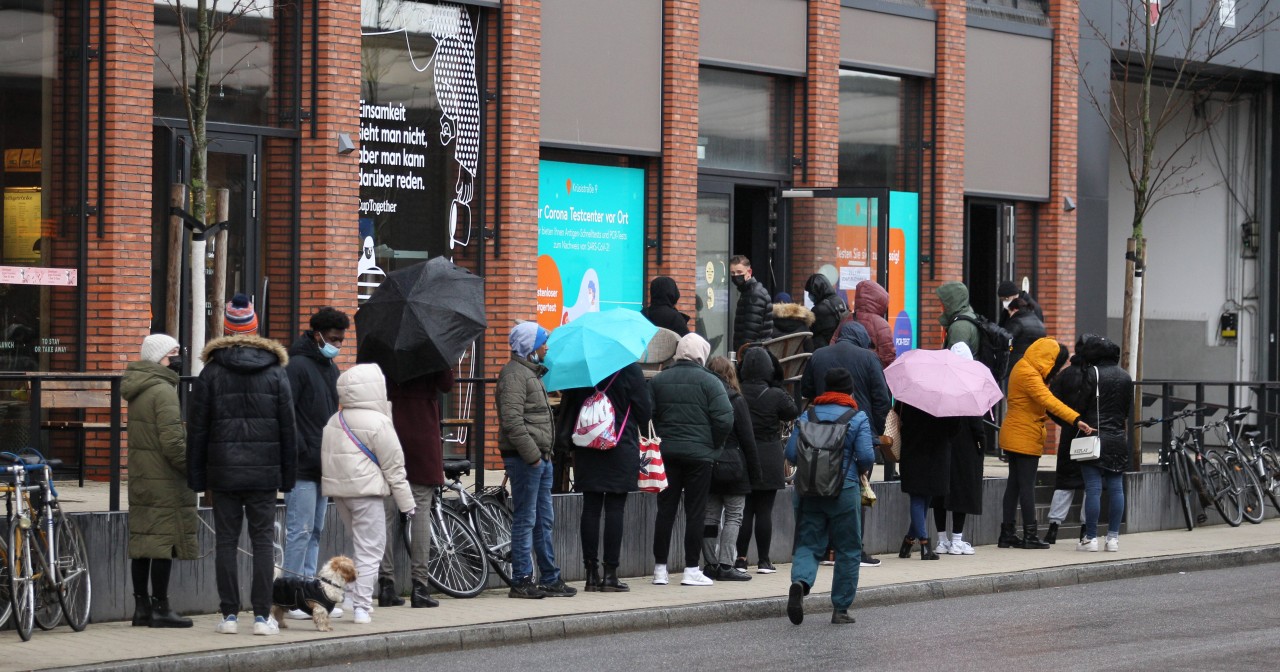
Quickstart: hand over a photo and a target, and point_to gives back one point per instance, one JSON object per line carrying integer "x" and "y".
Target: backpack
{"x": 596, "y": 426}
{"x": 820, "y": 464}
{"x": 995, "y": 344}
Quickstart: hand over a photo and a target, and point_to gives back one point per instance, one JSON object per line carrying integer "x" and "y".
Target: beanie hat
{"x": 240, "y": 318}
{"x": 782, "y": 297}
{"x": 839, "y": 380}
{"x": 1007, "y": 288}
{"x": 156, "y": 346}
{"x": 526, "y": 337}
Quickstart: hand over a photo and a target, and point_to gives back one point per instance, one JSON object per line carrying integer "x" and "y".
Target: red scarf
{"x": 837, "y": 398}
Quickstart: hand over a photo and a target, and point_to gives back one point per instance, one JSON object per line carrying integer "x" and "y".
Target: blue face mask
{"x": 328, "y": 350}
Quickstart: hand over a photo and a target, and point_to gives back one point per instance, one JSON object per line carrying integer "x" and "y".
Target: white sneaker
{"x": 1089, "y": 545}
{"x": 362, "y": 617}
{"x": 265, "y": 626}
{"x": 297, "y": 615}
{"x": 693, "y": 576}
{"x": 1113, "y": 544}
{"x": 660, "y": 575}
{"x": 227, "y": 626}
{"x": 961, "y": 548}
{"x": 943, "y": 547}
{"x": 336, "y": 613}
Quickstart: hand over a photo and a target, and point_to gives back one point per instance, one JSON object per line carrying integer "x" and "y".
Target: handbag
{"x": 1086, "y": 448}
{"x": 868, "y": 495}
{"x": 653, "y": 476}
{"x": 893, "y": 433}
{"x": 729, "y": 468}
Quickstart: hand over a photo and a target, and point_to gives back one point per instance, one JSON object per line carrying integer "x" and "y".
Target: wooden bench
{"x": 52, "y": 394}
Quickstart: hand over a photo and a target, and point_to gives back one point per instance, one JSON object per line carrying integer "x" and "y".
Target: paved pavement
{"x": 492, "y": 618}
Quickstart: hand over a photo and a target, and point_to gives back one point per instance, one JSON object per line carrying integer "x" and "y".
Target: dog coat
{"x": 293, "y": 592}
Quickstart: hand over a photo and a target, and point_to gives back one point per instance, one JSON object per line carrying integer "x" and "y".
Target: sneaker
{"x": 740, "y": 563}
{"x": 336, "y": 613}
{"x": 712, "y": 571}
{"x": 659, "y": 575}
{"x": 943, "y": 547}
{"x": 765, "y": 567}
{"x": 1088, "y": 545}
{"x": 694, "y": 577}
{"x": 795, "y": 603}
{"x": 868, "y": 561}
{"x": 734, "y": 574}
{"x": 361, "y": 617}
{"x": 961, "y": 548}
{"x": 297, "y": 615}
{"x": 228, "y": 625}
{"x": 265, "y": 626}
{"x": 1113, "y": 544}
{"x": 829, "y": 559}
{"x": 557, "y": 589}
{"x": 525, "y": 590}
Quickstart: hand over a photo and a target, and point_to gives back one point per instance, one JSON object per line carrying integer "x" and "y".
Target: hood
{"x": 663, "y": 291}
{"x": 855, "y": 333}
{"x": 1099, "y": 350}
{"x": 245, "y": 352}
{"x": 141, "y": 375}
{"x": 1042, "y": 355}
{"x": 694, "y": 348}
{"x": 793, "y": 311}
{"x": 819, "y": 287}
{"x": 872, "y": 298}
{"x": 955, "y": 300}
{"x": 303, "y": 346}
{"x": 961, "y": 349}
{"x": 364, "y": 386}
{"x": 760, "y": 366}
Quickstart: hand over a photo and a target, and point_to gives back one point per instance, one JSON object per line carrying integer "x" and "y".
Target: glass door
{"x": 713, "y": 302}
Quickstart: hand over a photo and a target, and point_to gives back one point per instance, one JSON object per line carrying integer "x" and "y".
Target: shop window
{"x": 880, "y": 120}
{"x": 744, "y": 122}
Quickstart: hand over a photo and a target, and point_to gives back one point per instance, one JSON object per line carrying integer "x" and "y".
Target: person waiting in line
{"x": 731, "y": 479}
{"x": 664, "y": 294}
{"x": 771, "y": 406}
{"x": 1008, "y": 291}
{"x": 870, "y": 306}
{"x": 829, "y": 308}
{"x": 926, "y": 470}
{"x": 1067, "y": 386}
{"x": 790, "y": 317}
{"x": 964, "y": 498}
{"x": 1024, "y": 327}
{"x": 753, "y": 320}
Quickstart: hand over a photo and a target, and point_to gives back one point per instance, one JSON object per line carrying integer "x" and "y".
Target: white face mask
{"x": 1006, "y": 303}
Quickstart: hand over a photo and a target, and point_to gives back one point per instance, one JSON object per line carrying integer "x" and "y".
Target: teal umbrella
{"x": 594, "y": 346}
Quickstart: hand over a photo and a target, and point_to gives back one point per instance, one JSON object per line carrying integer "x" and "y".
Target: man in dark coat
{"x": 1025, "y": 328}
{"x": 662, "y": 312}
{"x": 753, "y": 320}
{"x": 828, "y": 309}
{"x": 242, "y": 445}
{"x": 1008, "y": 291}
{"x": 313, "y": 379}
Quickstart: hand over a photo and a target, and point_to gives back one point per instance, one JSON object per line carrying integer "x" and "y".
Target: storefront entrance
{"x": 733, "y": 218}
{"x": 989, "y": 252}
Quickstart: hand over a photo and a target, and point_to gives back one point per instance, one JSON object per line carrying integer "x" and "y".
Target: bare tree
{"x": 1169, "y": 58}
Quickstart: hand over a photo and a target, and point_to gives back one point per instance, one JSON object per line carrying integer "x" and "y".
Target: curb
{"x": 371, "y": 648}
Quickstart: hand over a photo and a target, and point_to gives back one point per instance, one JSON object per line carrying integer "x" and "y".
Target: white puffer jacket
{"x": 345, "y": 470}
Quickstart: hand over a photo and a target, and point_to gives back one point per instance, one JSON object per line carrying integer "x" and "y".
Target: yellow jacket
{"x": 1029, "y": 398}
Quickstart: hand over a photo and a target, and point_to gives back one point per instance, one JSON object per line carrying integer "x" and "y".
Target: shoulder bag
{"x": 653, "y": 476}
{"x": 891, "y": 440}
{"x": 1086, "y": 448}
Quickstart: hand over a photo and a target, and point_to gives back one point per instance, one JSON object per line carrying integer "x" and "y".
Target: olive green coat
{"x": 162, "y": 509}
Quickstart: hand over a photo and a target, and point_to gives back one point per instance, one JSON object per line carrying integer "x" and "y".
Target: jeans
{"x": 719, "y": 540}
{"x": 303, "y": 523}
{"x": 1021, "y": 488}
{"x": 1094, "y": 477}
{"x": 919, "y": 511}
{"x": 615, "y": 507}
{"x": 834, "y": 521}
{"x": 364, "y": 519}
{"x": 691, "y": 478}
{"x": 230, "y": 510}
{"x": 532, "y": 522}
{"x": 758, "y": 513}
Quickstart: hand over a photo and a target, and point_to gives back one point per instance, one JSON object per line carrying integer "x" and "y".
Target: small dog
{"x": 317, "y": 595}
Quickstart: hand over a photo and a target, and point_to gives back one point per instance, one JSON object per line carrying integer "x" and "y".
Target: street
{"x": 1218, "y": 620}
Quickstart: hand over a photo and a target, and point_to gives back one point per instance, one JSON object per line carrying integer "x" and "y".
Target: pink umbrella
{"x": 942, "y": 383}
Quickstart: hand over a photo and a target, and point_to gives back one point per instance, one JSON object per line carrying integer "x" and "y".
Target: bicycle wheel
{"x": 6, "y": 606}
{"x": 21, "y": 583}
{"x": 1271, "y": 475}
{"x": 457, "y": 566}
{"x": 1252, "y": 505}
{"x": 48, "y": 612}
{"x": 493, "y": 521}
{"x": 1222, "y": 488}
{"x": 1181, "y": 478}
{"x": 73, "y": 571}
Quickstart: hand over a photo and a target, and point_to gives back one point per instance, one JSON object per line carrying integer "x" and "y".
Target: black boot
{"x": 905, "y": 550}
{"x": 1030, "y": 538}
{"x": 164, "y": 617}
{"x": 1008, "y": 538}
{"x": 1051, "y": 537}
{"x": 926, "y": 551}
{"x": 141, "y": 610}
{"x": 387, "y": 595}
{"x": 610, "y": 583}
{"x": 421, "y": 596}
{"x": 593, "y": 576}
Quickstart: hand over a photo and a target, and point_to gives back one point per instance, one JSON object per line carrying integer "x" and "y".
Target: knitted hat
{"x": 782, "y": 297}
{"x": 839, "y": 380}
{"x": 1007, "y": 288}
{"x": 240, "y": 318}
{"x": 156, "y": 346}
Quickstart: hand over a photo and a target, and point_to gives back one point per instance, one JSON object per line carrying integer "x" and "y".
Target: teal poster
{"x": 590, "y": 240}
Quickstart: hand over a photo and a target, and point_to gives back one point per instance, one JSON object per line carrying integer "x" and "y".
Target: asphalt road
{"x": 1220, "y": 620}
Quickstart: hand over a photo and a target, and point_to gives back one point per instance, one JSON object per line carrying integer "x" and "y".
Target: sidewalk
{"x": 493, "y": 618}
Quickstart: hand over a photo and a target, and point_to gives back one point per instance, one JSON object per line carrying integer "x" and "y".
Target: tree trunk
{"x": 177, "y": 234}
{"x": 222, "y": 210}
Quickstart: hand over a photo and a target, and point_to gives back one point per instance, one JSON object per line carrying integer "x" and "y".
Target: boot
{"x": 905, "y": 550}
{"x": 141, "y": 610}
{"x": 610, "y": 583}
{"x": 164, "y": 617}
{"x": 421, "y": 596}
{"x": 1008, "y": 538}
{"x": 1051, "y": 537}
{"x": 926, "y": 551}
{"x": 387, "y": 595}
{"x": 593, "y": 576}
{"x": 1030, "y": 538}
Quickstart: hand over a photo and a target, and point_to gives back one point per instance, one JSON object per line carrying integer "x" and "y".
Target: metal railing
{"x": 1163, "y": 398}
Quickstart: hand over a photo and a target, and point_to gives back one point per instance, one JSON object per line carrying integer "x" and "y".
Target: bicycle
{"x": 1206, "y": 474}
{"x": 1252, "y": 505}
{"x": 1262, "y": 460}
{"x": 45, "y": 557}
{"x": 458, "y": 566}
{"x": 488, "y": 515}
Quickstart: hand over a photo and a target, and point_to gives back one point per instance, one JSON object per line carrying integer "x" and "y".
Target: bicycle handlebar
{"x": 1151, "y": 422}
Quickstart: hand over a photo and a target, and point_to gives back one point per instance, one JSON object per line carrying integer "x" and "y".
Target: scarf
{"x": 837, "y": 398}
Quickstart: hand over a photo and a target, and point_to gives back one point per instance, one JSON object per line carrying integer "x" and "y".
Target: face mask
{"x": 738, "y": 280}
{"x": 175, "y": 364}
{"x": 1006, "y": 303}
{"x": 328, "y": 350}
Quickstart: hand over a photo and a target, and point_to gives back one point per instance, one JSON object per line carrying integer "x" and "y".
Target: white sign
{"x": 1227, "y": 13}
{"x": 850, "y": 276}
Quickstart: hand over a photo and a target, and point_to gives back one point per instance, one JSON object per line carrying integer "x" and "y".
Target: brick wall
{"x": 1056, "y": 286}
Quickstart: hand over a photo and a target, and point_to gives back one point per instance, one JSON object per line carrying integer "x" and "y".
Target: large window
{"x": 879, "y": 131}
{"x": 744, "y": 122}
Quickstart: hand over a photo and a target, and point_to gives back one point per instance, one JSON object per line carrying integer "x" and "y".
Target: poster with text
{"x": 857, "y": 250}
{"x": 590, "y": 240}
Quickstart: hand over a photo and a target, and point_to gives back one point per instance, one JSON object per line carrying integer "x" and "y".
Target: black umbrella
{"x": 421, "y": 319}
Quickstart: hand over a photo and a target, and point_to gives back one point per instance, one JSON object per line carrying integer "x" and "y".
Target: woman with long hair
{"x": 731, "y": 477}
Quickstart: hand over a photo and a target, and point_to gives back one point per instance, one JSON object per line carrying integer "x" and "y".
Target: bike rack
{"x": 1265, "y": 404}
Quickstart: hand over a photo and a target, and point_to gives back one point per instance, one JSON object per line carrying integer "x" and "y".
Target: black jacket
{"x": 1026, "y": 329}
{"x": 770, "y": 406}
{"x": 313, "y": 379}
{"x": 1109, "y": 411}
{"x": 241, "y": 433}
{"x": 691, "y": 412}
{"x": 828, "y": 308}
{"x": 754, "y": 318}
{"x": 926, "y": 451}
{"x": 663, "y": 297}
{"x": 612, "y": 470}
{"x": 850, "y": 352}
{"x": 741, "y": 438}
